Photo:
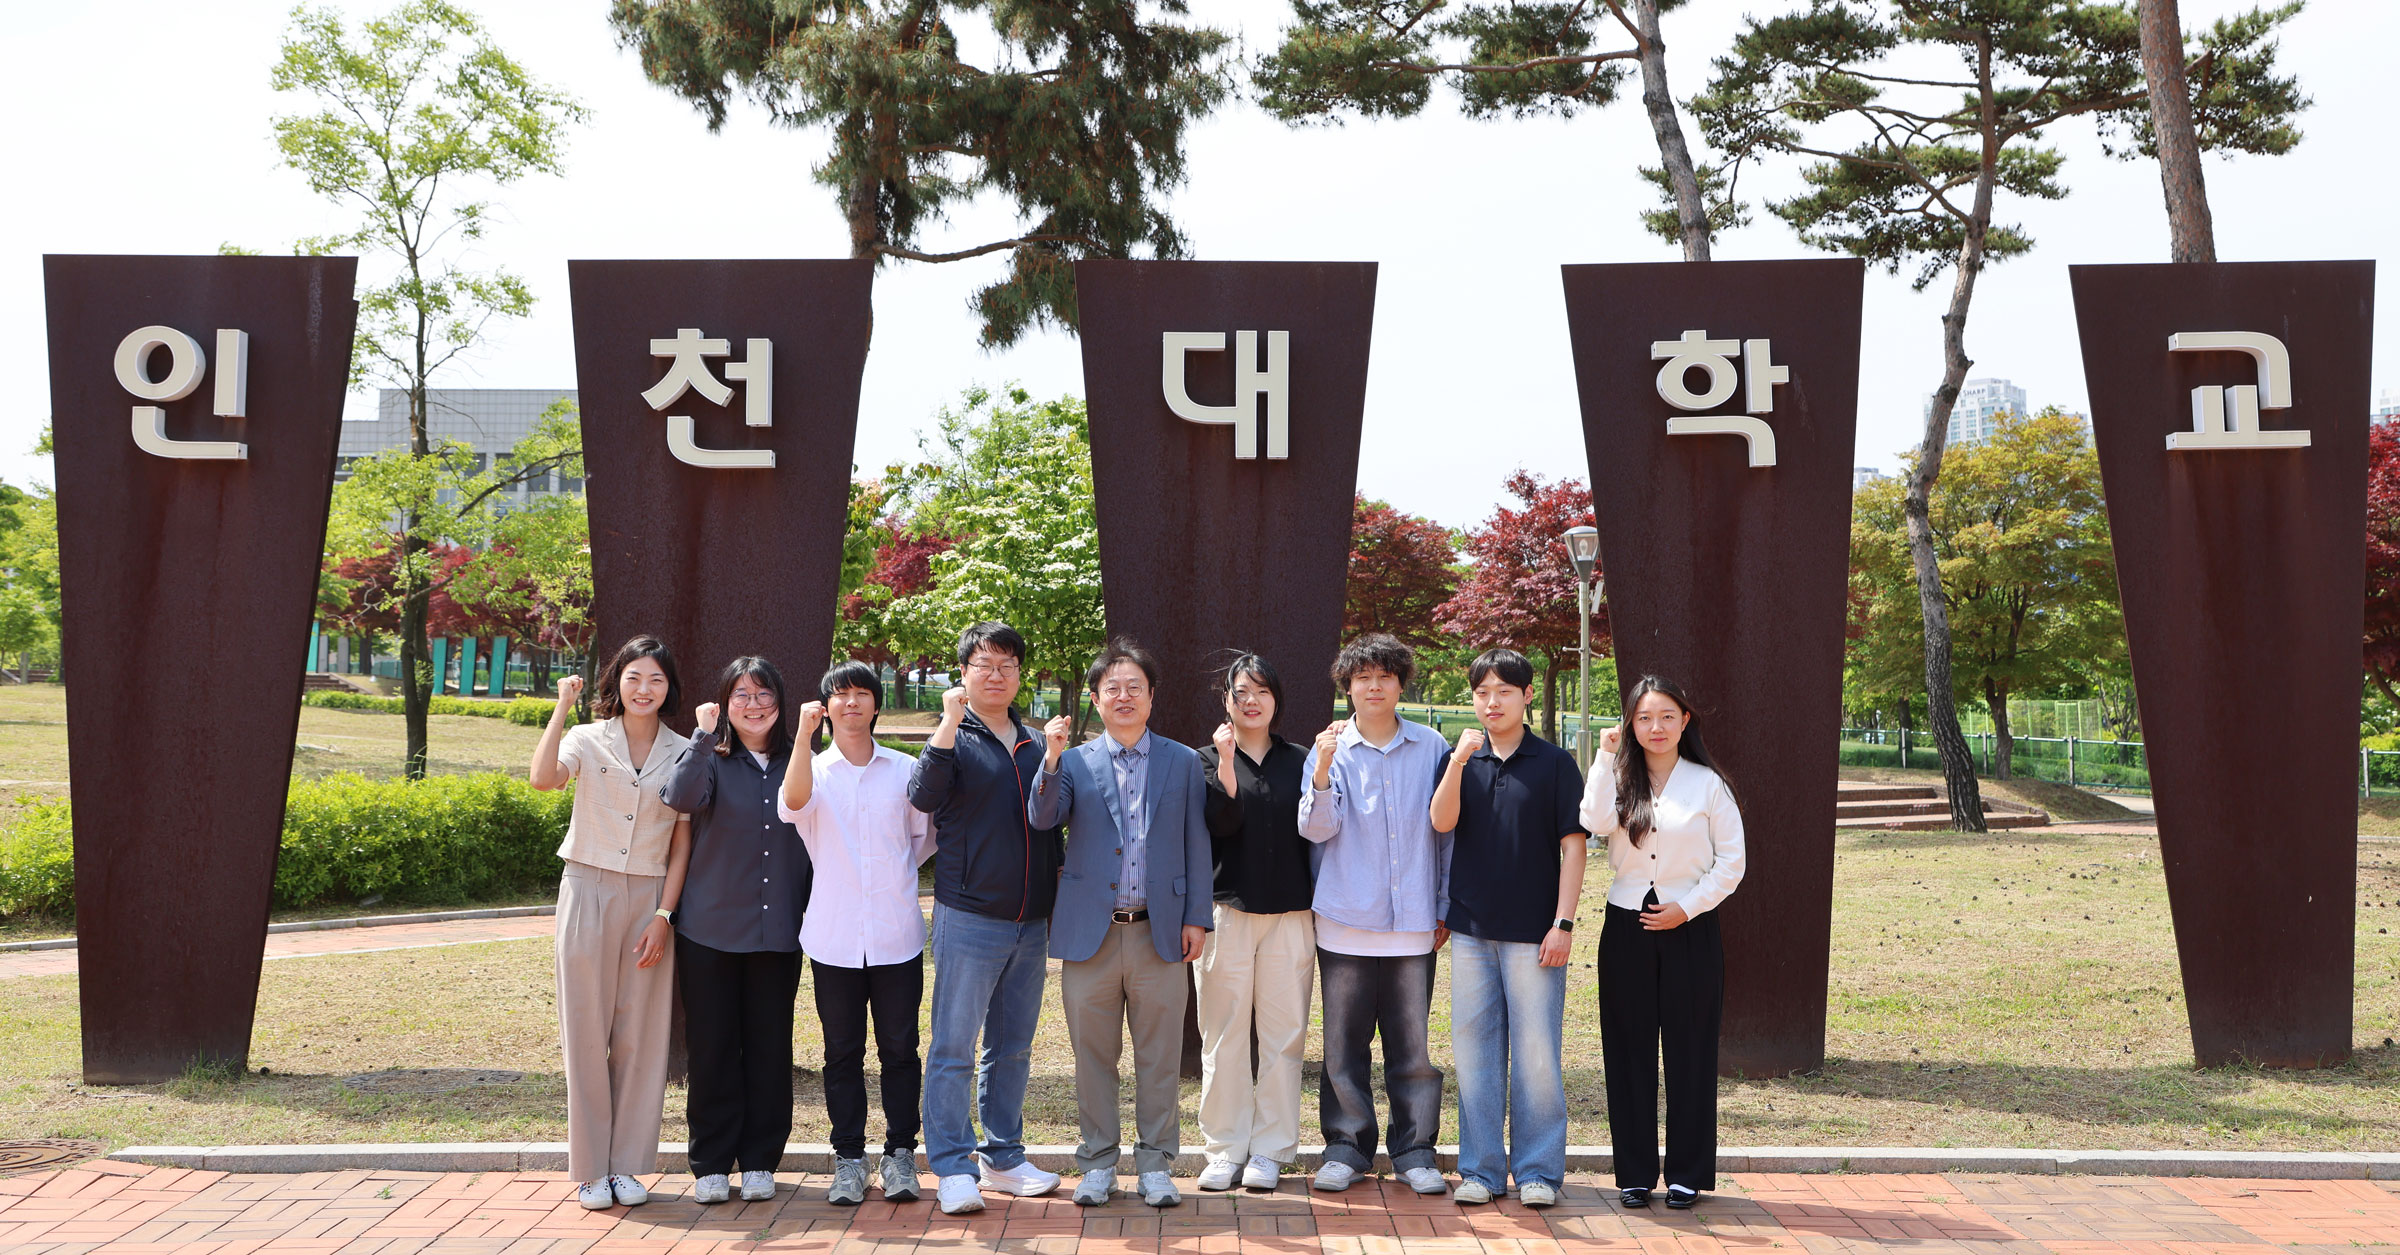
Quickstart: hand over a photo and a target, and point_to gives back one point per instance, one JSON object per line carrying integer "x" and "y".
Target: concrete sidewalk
{"x": 119, "y": 1207}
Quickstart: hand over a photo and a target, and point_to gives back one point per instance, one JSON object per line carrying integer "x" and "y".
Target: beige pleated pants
{"x": 612, "y": 1021}
{"x": 1254, "y": 969}
{"x": 1124, "y": 990}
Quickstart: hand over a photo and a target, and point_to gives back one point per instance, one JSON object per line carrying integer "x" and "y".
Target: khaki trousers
{"x": 1125, "y": 984}
{"x": 612, "y": 1021}
{"x": 1254, "y": 970}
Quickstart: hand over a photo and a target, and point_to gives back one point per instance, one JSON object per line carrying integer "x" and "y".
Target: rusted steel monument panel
{"x": 197, "y": 405}
{"x": 1224, "y": 501}
{"x": 732, "y": 555}
{"x": 1721, "y": 474}
{"x": 2241, "y": 568}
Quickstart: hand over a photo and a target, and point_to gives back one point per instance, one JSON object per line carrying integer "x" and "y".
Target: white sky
{"x": 163, "y": 147}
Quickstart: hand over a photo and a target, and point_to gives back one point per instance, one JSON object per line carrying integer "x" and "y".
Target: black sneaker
{"x": 1682, "y": 1197}
{"x": 1634, "y": 1196}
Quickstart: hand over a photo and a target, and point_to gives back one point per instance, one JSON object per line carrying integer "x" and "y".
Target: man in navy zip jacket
{"x": 995, "y": 877}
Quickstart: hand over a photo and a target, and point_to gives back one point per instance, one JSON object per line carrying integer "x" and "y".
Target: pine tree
{"x": 1079, "y": 120}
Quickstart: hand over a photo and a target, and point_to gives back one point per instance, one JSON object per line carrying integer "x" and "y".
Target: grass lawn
{"x": 2017, "y": 989}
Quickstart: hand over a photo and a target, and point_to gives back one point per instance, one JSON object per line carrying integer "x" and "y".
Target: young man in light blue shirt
{"x": 1382, "y": 892}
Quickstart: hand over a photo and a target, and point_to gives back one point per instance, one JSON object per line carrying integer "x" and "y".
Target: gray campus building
{"x": 489, "y": 421}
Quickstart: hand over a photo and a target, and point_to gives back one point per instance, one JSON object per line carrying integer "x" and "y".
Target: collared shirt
{"x": 1383, "y": 868}
{"x": 1504, "y": 861}
{"x": 618, "y": 823}
{"x": 1263, "y": 865}
{"x": 1693, "y": 852}
{"x": 866, "y": 842}
{"x": 1132, "y": 765}
{"x": 749, "y": 876}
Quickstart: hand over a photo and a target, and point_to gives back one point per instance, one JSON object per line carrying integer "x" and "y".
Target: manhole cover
{"x": 428, "y": 1080}
{"x": 41, "y": 1154}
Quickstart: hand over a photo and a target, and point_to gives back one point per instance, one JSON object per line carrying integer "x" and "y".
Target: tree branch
{"x": 893, "y": 250}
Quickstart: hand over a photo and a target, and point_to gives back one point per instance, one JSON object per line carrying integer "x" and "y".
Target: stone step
{"x": 1876, "y": 791}
{"x": 1994, "y": 820}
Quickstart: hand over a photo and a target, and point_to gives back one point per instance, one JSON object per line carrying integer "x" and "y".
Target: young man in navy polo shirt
{"x": 1510, "y": 800}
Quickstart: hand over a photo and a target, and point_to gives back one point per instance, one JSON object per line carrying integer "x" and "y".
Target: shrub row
{"x": 530, "y": 712}
{"x": 441, "y": 841}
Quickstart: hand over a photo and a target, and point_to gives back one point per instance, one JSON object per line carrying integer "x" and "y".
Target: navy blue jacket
{"x": 988, "y": 857}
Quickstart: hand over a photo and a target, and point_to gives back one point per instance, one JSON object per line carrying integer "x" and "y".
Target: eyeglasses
{"x": 1246, "y": 696}
{"x": 754, "y": 700}
{"x": 1006, "y": 670}
{"x": 1124, "y": 690}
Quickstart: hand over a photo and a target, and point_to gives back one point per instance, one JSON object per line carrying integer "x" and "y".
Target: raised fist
{"x": 1611, "y": 738}
{"x": 811, "y": 715}
{"x": 704, "y": 716}
{"x": 1328, "y": 740}
{"x": 570, "y": 690}
{"x": 1469, "y": 741}
{"x": 1223, "y": 739}
{"x": 954, "y": 703}
{"x": 1056, "y": 732}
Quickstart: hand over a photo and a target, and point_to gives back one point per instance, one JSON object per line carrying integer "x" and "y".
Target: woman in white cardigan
{"x": 1674, "y": 837}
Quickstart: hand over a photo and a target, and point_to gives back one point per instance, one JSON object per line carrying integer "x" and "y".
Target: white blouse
{"x": 1693, "y": 852}
{"x": 864, "y": 843}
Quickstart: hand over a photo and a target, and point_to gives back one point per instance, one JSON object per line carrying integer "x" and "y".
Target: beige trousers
{"x": 612, "y": 1020}
{"x": 1255, "y": 970}
{"x": 1125, "y": 984}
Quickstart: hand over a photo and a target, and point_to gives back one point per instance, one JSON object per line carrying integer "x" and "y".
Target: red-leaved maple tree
{"x": 1399, "y": 574}
{"x": 2383, "y": 558}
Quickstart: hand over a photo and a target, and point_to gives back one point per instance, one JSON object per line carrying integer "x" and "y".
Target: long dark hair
{"x": 1246, "y": 663}
{"x": 758, "y": 671}
{"x": 608, "y": 704}
{"x": 1634, "y": 810}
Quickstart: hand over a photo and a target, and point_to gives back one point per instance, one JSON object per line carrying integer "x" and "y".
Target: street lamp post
{"x": 1583, "y": 552}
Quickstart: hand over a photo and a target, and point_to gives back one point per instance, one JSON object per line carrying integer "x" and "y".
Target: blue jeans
{"x": 987, "y": 978}
{"x": 1507, "y": 1014}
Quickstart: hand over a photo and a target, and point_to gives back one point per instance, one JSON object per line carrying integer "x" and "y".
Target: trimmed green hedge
{"x": 530, "y": 712}
{"x": 440, "y": 841}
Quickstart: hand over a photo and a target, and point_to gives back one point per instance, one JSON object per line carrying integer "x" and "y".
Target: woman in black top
{"x": 1259, "y": 964}
{"x": 737, "y": 932}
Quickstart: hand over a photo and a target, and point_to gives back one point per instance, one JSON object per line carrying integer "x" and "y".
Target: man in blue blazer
{"x": 1133, "y": 908}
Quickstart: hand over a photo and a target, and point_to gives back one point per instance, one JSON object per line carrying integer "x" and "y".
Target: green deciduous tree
{"x": 2027, "y": 578}
{"x": 1380, "y": 58}
{"x": 413, "y": 111}
{"x": 1012, "y": 478}
{"x": 1076, "y": 117}
{"x": 1907, "y": 164}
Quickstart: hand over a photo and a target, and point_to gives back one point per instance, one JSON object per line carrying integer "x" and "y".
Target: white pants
{"x": 1254, "y": 969}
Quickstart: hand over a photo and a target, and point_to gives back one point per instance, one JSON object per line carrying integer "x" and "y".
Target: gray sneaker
{"x": 900, "y": 1176}
{"x": 1095, "y": 1188}
{"x": 849, "y": 1187}
{"x": 1158, "y": 1190}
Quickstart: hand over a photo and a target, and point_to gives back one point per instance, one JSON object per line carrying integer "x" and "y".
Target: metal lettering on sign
{"x": 2242, "y": 579}
{"x": 687, "y": 371}
{"x": 187, "y": 365}
{"x": 1251, "y": 381}
{"x": 2212, "y": 427}
{"x": 1733, "y": 584}
{"x": 1757, "y": 377}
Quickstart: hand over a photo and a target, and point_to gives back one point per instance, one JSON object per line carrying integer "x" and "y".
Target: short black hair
{"x": 1246, "y": 663}
{"x": 1508, "y": 664}
{"x": 1121, "y": 649}
{"x": 851, "y": 675}
{"x": 993, "y": 634}
{"x": 1374, "y": 649}
{"x": 607, "y": 704}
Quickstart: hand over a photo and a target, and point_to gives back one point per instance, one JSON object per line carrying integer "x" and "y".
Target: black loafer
{"x": 1636, "y": 1196}
{"x": 1682, "y": 1198}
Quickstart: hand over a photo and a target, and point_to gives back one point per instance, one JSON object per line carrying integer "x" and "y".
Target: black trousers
{"x": 1662, "y": 989}
{"x": 845, "y": 995}
{"x": 1364, "y": 997}
{"x": 737, "y": 1017}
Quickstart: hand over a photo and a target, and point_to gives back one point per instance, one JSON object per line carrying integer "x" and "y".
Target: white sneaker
{"x": 959, "y": 1195}
{"x": 1220, "y": 1174}
{"x": 758, "y": 1185}
{"x": 1263, "y": 1174}
{"x": 630, "y": 1191}
{"x": 1469, "y": 1192}
{"x": 1158, "y": 1190}
{"x": 595, "y": 1195}
{"x": 1024, "y": 1180}
{"x": 1536, "y": 1194}
{"x": 713, "y": 1188}
{"x": 1426, "y": 1180}
{"x": 1095, "y": 1188}
{"x": 1333, "y": 1175}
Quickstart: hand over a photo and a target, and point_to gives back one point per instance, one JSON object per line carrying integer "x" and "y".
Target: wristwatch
{"x": 1563, "y": 925}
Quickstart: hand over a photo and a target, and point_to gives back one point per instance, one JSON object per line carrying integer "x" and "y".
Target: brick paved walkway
{"x": 114, "y": 1207}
